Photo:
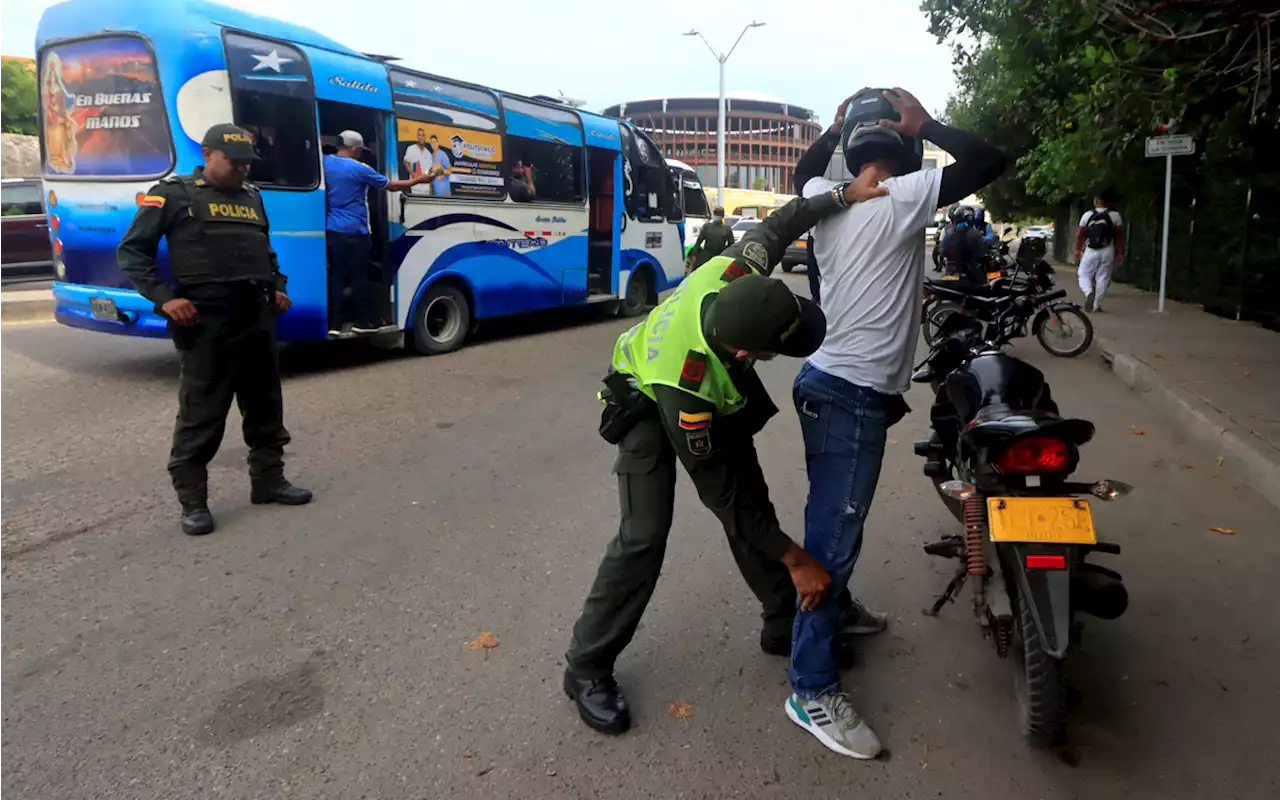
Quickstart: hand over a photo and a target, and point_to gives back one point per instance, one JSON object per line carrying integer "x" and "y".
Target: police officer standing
{"x": 714, "y": 238}
{"x": 221, "y": 317}
{"x": 683, "y": 387}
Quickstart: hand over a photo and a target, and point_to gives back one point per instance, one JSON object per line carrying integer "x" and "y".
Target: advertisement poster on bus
{"x": 103, "y": 114}
{"x": 464, "y": 163}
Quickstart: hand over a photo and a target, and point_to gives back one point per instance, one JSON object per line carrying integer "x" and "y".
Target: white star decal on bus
{"x": 271, "y": 60}
{"x": 411, "y": 84}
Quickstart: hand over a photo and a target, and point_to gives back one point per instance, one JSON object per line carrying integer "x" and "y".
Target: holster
{"x": 624, "y": 406}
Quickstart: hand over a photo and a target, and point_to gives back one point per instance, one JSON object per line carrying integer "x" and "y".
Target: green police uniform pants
{"x": 646, "y": 469}
{"x": 230, "y": 353}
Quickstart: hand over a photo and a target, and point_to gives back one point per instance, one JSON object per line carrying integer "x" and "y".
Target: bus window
{"x": 272, "y": 98}
{"x": 550, "y": 141}
{"x": 556, "y": 172}
{"x": 695, "y": 200}
{"x": 448, "y": 130}
{"x": 650, "y": 186}
{"x": 103, "y": 115}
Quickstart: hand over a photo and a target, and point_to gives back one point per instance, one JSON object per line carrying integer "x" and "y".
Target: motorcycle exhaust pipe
{"x": 1099, "y": 592}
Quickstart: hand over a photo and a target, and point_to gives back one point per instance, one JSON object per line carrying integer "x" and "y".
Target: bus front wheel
{"x": 441, "y": 321}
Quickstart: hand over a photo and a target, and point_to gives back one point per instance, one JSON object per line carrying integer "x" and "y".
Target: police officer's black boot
{"x": 600, "y": 702}
{"x": 196, "y": 519}
{"x": 278, "y": 490}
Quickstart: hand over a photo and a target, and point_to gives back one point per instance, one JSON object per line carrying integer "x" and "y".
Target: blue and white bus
{"x": 126, "y": 93}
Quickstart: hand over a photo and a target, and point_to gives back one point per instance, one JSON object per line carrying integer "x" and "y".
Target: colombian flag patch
{"x": 695, "y": 422}
{"x": 152, "y": 200}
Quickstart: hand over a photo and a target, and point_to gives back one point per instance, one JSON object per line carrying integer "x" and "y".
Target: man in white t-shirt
{"x": 418, "y": 159}
{"x": 850, "y": 390}
{"x": 1099, "y": 246}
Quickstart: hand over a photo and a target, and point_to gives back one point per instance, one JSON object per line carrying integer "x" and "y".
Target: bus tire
{"x": 639, "y": 287}
{"x": 441, "y": 321}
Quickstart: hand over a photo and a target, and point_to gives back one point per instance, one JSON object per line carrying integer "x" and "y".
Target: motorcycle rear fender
{"x": 1043, "y": 315}
{"x": 1047, "y": 593}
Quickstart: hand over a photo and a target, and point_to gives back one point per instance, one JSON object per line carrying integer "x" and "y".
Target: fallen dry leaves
{"x": 1222, "y": 530}
{"x": 681, "y": 711}
{"x": 484, "y": 641}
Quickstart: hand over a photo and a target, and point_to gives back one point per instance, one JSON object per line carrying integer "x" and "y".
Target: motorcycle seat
{"x": 1001, "y": 425}
{"x": 976, "y": 291}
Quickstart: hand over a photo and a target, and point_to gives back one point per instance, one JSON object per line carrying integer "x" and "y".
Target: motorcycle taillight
{"x": 1032, "y": 456}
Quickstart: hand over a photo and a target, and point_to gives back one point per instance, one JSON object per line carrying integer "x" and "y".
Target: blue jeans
{"x": 844, "y": 429}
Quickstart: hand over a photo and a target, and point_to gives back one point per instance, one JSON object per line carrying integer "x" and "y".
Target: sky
{"x": 811, "y": 53}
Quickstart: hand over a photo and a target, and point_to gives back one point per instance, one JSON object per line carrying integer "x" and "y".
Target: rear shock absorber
{"x": 975, "y": 533}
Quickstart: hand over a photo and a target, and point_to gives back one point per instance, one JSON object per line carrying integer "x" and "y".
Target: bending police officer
{"x": 682, "y": 387}
{"x": 220, "y": 313}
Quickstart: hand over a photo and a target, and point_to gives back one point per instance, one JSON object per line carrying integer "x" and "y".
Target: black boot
{"x": 278, "y": 490}
{"x": 600, "y": 702}
{"x": 196, "y": 519}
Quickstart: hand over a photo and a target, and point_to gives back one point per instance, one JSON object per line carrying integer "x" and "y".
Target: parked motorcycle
{"x": 1061, "y": 327}
{"x": 1000, "y": 457}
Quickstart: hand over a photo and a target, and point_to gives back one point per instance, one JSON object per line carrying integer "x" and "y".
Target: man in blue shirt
{"x": 347, "y": 241}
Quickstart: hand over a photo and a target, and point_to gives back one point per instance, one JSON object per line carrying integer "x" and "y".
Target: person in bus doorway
{"x": 714, "y": 238}
{"x": 221, "y": 316}
{"x": 1099, "y": 247}
{"x": 849, "y": 391}
{"x": 520, "y": 186}
{"x": 682, "y": 387}
{"x": 348, "y": 243}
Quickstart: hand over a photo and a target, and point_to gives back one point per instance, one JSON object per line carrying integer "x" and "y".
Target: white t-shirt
{"x": 420, "y": 159}
{"x": 1115, "y": 221}
{"x": 871, "y": 265}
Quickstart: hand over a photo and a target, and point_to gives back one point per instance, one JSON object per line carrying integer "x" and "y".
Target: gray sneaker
{"x": 833, "y": 721}
{"x": 1088, "y": 300}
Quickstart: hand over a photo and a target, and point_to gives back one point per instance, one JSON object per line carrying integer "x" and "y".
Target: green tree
{"x": 18, "y": 98}
{"x": 761, "y": 184}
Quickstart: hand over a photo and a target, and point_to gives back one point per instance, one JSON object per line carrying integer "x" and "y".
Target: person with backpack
{"x": 1099, "y": 246}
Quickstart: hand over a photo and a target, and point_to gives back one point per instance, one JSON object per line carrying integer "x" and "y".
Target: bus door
{"x": 353, "y": 94}
{"x": 605, "y": 209}
{"x": 273, "y": 97}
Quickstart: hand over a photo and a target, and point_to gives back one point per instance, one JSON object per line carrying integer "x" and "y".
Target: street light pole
{"x": 720, "y": 147}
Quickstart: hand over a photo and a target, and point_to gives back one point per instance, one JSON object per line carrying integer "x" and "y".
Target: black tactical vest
{"x": 228, "y": 241}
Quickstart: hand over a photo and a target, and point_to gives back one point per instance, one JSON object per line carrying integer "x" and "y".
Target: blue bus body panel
{"x": 344, "y": 79}
{"x": 72, "y": 308}
{"x": 602, "y": 132}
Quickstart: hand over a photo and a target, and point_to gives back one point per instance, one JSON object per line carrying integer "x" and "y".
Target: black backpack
{"x": 1100, "y": 230}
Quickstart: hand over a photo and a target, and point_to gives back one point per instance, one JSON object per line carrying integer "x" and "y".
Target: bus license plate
{"x": 104, "y": 308}
{"x": 1043, "y": 520}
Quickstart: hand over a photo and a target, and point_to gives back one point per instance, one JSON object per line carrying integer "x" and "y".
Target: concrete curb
{"x": 27, "y": 309}
{"x": 1244, "y": 455}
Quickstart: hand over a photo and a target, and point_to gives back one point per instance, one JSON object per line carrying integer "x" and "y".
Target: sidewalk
{"x": 1219, "y": 379}
{"x": 25, "y": 305}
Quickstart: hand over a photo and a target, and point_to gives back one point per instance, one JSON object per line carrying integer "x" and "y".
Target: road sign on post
{"x": 1167, "y": 147}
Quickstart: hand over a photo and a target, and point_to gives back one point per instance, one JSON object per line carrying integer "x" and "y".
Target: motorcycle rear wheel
{"x": 1038, "y": 682}
{"x": 934, "y": 315}
{"x": 1066, "y": 321}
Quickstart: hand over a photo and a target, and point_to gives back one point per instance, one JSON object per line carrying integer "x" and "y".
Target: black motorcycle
{"x": 1000, "y": 458}
{"x": 1061, "y": 326}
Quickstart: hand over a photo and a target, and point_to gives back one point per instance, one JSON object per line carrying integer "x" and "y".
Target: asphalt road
{"x": 322, "y": 651}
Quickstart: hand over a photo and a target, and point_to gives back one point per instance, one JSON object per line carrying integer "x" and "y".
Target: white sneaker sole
{"x": 820, "y": 735}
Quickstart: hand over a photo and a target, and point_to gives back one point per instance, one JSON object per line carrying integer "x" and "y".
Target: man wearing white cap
{"x": 347, "y": 240}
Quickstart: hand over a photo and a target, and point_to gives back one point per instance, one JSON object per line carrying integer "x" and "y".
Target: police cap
{"x": 761, "y": 315}
{"x": 233, "y": 140}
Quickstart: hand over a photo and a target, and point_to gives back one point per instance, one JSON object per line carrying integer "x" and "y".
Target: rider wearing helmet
{"x": 962, "y": 245}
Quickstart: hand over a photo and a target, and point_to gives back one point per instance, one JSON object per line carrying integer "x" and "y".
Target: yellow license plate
{"x": 1045, "y": 520}
{"x": 951, "y": 277}
{"x": 802, "y": 242}
{"x": 991, "y": 276}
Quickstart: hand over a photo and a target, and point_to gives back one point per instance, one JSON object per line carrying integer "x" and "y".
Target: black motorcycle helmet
{"x": 963, "y": 215}
{"x": 865, "y": 141}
